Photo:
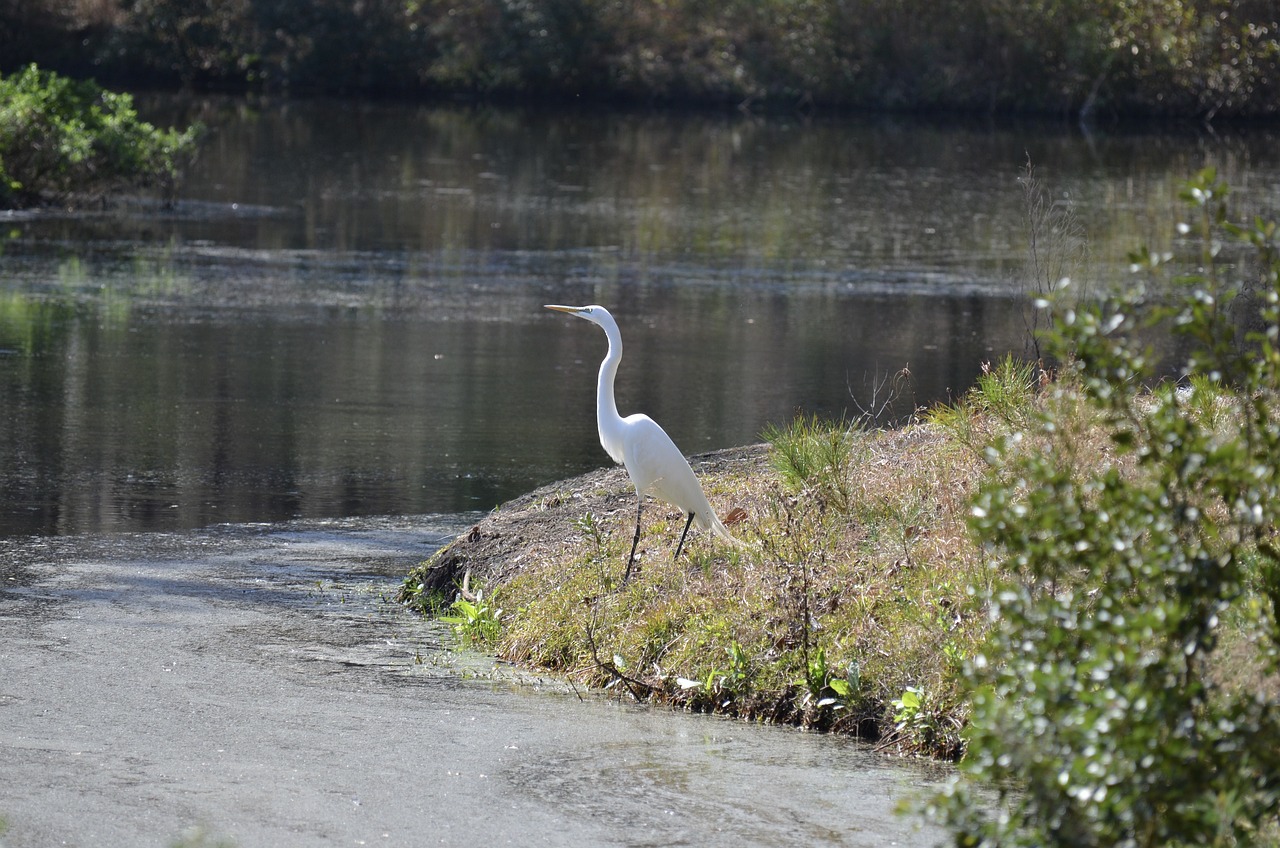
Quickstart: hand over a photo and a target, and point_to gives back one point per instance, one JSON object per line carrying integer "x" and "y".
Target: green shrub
{"x": 1097, "y": 718}
{"x": 62, "y": 138}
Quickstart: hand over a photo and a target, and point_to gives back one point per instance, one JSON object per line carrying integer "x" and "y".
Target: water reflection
{"x": 139, "y": 422}
{"x": 343, "y": 316}
{"x": 861, "y": 195}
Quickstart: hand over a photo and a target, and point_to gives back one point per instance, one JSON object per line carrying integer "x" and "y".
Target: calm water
{"x": 342, "y": 316}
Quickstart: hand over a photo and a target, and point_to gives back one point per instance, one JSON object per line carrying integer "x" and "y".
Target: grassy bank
{"x": 848, "y": 609}
{"x": 859, "y": 598}
{"x": 1107, "y": 57}
{"x": 854, "y": 606}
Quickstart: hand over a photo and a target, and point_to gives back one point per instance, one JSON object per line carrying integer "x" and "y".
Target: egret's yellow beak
{"x": 572, "y": 310}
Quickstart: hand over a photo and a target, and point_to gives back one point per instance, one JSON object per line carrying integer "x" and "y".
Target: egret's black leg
{"x": 635, "y": 540}
{"x": 682, "y": 535}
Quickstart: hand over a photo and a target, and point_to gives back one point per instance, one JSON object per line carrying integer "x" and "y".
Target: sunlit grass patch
{"x": 811, "y": 453}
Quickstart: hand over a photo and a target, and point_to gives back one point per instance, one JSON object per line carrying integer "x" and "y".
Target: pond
{"x": 342, "y": 314}
{"x": 252, "y": 682}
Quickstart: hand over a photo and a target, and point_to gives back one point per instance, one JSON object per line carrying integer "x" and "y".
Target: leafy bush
{"x": 1097, "y": 715}
{"x": 61, "y": 138}
{"x": 331, "y": 45}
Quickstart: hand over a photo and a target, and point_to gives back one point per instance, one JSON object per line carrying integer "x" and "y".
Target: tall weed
{"x": 814, "y": 454}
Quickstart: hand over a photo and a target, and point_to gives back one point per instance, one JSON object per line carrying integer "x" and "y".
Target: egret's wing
{"x": 659, "y": 468}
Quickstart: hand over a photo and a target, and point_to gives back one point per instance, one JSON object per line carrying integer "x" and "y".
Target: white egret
{"x": 653, "y": 461}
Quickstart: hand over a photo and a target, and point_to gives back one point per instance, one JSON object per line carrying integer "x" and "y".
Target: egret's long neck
{"x": 607, "y": 417}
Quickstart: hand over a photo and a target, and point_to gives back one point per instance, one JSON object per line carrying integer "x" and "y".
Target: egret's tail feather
{"x": 718, "y": 528}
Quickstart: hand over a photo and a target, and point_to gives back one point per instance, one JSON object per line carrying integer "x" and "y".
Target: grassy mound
{"x": 847, "y": 609}
{"x": 853, "y": 607}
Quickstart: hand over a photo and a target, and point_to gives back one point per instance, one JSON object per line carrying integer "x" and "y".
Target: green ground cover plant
{"x": 476, "y": 621}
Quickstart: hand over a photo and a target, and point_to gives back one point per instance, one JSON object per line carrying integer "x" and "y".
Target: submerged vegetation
{"x": 62, "y": 139}
{"x": 1161, "y": 57}
{"x": 1069, "y": 578}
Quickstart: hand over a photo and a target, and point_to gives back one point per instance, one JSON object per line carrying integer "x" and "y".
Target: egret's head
{"x": 593, "y": 313}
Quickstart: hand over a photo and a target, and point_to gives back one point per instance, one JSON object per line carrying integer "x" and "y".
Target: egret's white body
{"x": 651, "y": 458}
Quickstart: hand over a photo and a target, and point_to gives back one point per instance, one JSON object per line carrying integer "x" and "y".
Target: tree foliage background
{"x": 1188, "y": 57}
